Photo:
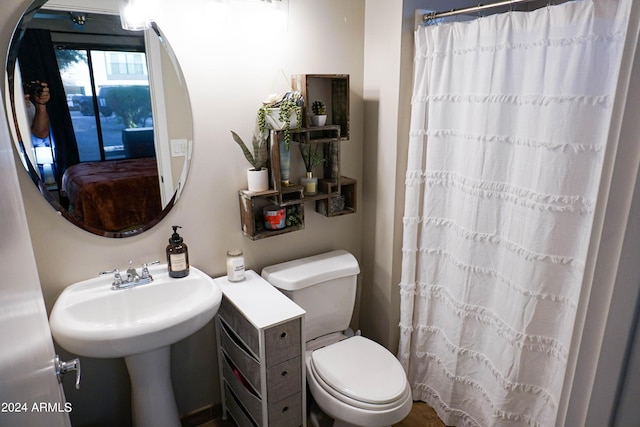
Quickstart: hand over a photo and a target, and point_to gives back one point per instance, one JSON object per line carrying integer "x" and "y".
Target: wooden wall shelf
{"x": 333, "y": 89}
{"x": 337, "y": 194}
{"x": 252, "y": 219}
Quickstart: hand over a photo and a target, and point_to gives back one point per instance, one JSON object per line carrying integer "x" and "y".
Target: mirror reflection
{"x": 91, "y": 123}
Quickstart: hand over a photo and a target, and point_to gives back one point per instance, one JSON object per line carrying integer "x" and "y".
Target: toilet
{"x": 354, "y": 380}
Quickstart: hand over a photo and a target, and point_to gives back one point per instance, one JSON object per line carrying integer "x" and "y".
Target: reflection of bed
{"x": 115, "y": 195}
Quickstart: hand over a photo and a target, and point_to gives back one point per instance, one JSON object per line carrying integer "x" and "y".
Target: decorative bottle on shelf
{"x": 285, "y": 163}
{"x": 177, "y": 255}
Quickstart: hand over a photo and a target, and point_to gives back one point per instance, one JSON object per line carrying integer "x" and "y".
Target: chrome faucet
{"x": 133, "y": 278}
{"x": 132, "y": 274}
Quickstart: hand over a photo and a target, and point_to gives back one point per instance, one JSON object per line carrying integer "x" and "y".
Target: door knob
{"x": 64, "y": 367}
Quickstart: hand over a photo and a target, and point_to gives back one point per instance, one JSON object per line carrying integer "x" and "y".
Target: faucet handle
{"x": 145, "y": 270}
{"x": 117, "y": 278}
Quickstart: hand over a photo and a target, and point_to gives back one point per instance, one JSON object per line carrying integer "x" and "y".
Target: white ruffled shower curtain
{"x": 510, "y": 118}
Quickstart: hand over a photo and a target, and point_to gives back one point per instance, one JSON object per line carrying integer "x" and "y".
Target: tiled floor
{"x": 422, "y": 415}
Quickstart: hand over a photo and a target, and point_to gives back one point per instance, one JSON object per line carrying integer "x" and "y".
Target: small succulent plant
{"x": 319, "y": 108}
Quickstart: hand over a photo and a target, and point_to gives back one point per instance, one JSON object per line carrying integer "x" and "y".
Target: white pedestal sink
{"x": 90, "y": 319}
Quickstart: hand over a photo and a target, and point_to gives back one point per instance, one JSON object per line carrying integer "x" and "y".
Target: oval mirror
{"x": 90, "y": 119}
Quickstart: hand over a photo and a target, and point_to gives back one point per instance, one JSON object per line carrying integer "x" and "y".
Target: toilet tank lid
{"x": 303, "y": 272}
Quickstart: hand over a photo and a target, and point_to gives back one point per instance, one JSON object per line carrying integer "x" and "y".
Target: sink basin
{"x": 140, "y": 323}
{"x": 90, "y": 319}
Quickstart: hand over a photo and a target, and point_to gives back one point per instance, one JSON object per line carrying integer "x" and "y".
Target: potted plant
{"x": 281, "y": 112}
{"x": 311, "y": 158}
{"x": 319, "y": 110}
{"x": 258, "y": 175}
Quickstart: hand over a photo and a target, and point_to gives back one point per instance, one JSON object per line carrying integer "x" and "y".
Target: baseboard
{"x": 202, "y": 415}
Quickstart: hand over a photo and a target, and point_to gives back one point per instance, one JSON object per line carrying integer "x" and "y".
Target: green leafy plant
{"x": 310, "y": 156}
{"x": 259, "y": 157}
{"x": 132, "y": 104}
{"x": 294, "y": 215}
{"x": 319, "y": 108}
{"x": 287, "y": 102}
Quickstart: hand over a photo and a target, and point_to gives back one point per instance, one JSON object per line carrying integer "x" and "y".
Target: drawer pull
{"x": 283, "y": 335}
{"x": 284, "y": 373}
{"x": 285, "y": 409}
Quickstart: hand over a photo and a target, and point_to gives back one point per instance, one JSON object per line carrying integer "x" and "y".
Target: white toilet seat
{"x": 356, "y": 410}
{"x": 361, "y": 372}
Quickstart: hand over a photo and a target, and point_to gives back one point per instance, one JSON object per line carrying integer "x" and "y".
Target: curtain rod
{"x": 435, "y": 15}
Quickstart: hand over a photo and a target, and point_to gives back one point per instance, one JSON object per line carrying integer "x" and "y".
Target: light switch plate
{"x": 178, "y": 147}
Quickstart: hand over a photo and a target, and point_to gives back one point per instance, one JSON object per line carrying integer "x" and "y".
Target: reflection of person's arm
{"x": 40, "y": 124}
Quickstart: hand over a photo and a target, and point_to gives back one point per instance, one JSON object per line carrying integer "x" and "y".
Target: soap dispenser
{"x": 177, "y": 255}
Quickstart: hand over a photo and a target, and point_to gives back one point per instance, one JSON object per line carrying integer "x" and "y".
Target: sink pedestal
{"x": 152, "y": 401}
{"x": 140, "y": 324}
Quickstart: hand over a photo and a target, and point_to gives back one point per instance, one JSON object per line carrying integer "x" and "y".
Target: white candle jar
{"x": 235, "y": 265}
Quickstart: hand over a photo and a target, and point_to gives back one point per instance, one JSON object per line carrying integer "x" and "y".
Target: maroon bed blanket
{"x": 115, "y": 195}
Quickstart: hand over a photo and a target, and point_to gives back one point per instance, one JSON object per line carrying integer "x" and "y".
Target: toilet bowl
{"x": 357, "y": 382}
{"x": 354, "y": 380}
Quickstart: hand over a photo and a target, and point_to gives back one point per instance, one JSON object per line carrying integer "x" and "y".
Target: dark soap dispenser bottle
{"x": 177, "y": 255}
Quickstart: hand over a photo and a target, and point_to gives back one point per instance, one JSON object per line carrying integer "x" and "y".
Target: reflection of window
{"x": 126, "y": 65}
{"x": 115, "y": 85}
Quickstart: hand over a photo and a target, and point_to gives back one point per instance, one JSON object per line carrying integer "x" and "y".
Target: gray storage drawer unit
{"x": 260, "y": 334}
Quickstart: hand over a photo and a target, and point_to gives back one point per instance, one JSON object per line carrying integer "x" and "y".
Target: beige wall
{"x": 231, "y": 60}
{"x": 382, "y": 47}
{"x": 388, "y": 71}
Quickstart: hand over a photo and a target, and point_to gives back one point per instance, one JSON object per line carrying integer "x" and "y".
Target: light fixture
{"x": 135, "y": 15}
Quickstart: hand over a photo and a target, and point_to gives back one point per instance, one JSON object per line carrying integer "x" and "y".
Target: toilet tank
{"x": 323, "y": 285}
